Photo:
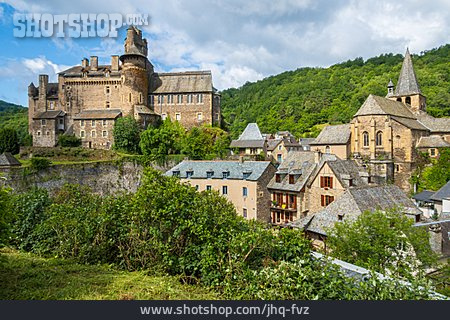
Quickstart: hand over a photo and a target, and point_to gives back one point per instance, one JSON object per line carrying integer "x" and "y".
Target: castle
{"x": 88, "y": 98}
{"x": 387, "y": 133}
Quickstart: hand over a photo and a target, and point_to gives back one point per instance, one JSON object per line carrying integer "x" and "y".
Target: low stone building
{"x": 333, "y": 139}
{"x": 352, "y": 203}
{"x": 431, "y": 145}
{"x": 279, "y": 147}
{"x": 251, "y": 142}
{"x": 244, "y": 183}
{"x": 7, "y": 160}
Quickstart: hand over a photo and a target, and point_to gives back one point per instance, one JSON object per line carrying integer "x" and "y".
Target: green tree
{"x": 69, "y": 141}
{"x": 9, "y": 141}
{"x": 206, "y": 142}
{"x": 5, "y": 214}
{"x": 435, "y": 176}
{"x": 126, "y": 135}
{"x": 383, "y": 241}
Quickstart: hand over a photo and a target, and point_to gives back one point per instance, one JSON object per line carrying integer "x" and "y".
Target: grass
{"x": 24, "y": 276}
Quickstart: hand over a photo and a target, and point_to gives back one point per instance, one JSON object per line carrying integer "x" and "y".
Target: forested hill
{"x": 14, "y": 116}
{"x": 301, "y": 100}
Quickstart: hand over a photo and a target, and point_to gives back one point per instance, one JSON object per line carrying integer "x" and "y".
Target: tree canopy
{"x": 126, "y": 135}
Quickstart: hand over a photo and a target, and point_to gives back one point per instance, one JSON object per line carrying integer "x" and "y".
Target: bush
{"x": 38, "y": 164}
{"x": 69, "y": 141}
{"x": 5, "y": 214}
{"x": 9, "y": 141}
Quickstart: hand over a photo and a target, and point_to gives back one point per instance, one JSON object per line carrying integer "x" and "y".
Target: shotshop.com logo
{"x": 84, "y": 25}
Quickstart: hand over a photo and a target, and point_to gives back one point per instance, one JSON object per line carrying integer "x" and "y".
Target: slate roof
{"x": 77, "y": 71}
{"x": 299, "y": 163}
{"x": 235, "y": 169}
{"x": 182, "y": 82}
{"x": 52, "y": 90}
{"x": 410, "y": 123}
{"x": 424, "y": 196}
{"x": 352, "y": 203}
{"x": 250, "y": 138}
{"x": 141, "y": 109}
{"x": 272, "y": 144}
{"x": 407, "y": 81}
{"x": 434, "y": 124}
{"x": 432, "y": 142}
{"x": 336, "y": 134}
{"x": 376, "y": 105}
{"x": 98, "y": 114}
{"x": 50, "y": 114}
{"x": 8, "y": 160}
{"x": 442, "y": 193}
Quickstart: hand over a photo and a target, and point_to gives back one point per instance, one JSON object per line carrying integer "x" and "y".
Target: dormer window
{"x": 291, "y": 179}
{"x": 225, "y": 174}
{"x": 209, "y": 174}
{"x": 340, "y": 217}
{"x": 176, "y": 173}
{"x": 246, "y": 174}
{"x": 189, "y": 174}
{"x": 278, "y": 178}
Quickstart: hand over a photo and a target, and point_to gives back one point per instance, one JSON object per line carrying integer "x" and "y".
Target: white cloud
{"x": 247, "y": 40}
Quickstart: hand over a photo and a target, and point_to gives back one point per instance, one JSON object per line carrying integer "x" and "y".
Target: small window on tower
{"x": 178, "y": 116}
{"x": 408, "y": 100}
{"x": 107, "y": 90}
{"x": 107, "y": 105}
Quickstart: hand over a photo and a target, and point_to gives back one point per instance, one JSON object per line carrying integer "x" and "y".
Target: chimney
{"x": 364, "y": 176}
{"x": 317, "y": 156}
{"x": 43, "y": 84}
{"x": 85, "y": 63}
{"x": 94, "y": 63}
{"x": 241, "y": 159}
{"x": 115, "y": 63}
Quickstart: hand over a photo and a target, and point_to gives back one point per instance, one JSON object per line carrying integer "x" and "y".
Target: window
{"x": 93, "y": 123}
{"x": 397, "y": 168}
{"x": 244, "y": 212}
{"x": 224, "y": 189}
{"x": 340, "y": 217}
{"x": 189, "y": 98}
{"x": 152, "y": 99}
{"x": 327, "y": 149}
{"x": 196, "y": 187}
{"x": 279, "y": 147}
{"x": 47, "y": 133}
{"x": 244, "y": 191}
{"x": 225, "y": 174}
{"x": 39, "y": 133}
{"x": 82, "y": 123}
{"x": 279, "y": 157}
{"x": 141, "y": 98}
{"x": 199, "y": 116}
{"x": 326, "y": 182}
{"x": 365, "y": 139}
{"x": 326, "y": 200}
{"x": 43, "y": 122}
{"x": 379, "y": 139}
{"x": 104, "y": 123}
{"x": 291, "y": 179}
{"x": 164, "y": 116}
{"x": 104, "y": 133}
{"x": 278, "y": 178}
{"x": 178, "y": 116}
{"x": 52, "y": 105}
{"x": 107, "y": 90}
{"x": 179, "y": 98}
{"x": 93, "y": 133}
{"x": 399, "y": 99}
{"x": 189, "y": 174}
{"x": 246, "y": 175}
{"x": 408, "y": 100}
{"x": 208, "y": 188}
{"x": 170, "y": 99}
{"x": 432, "y": 152}
{"x": 61, "y": 121}
{"x": 176, "y": 173}
{"x": 160, "y": 99}
{"x": 129, "y": 97}
{"x": 200, "y": 98}
{"x": 82, "y": 133}
{"x": 209, "y": 174}
{"x": 107, "y": 105}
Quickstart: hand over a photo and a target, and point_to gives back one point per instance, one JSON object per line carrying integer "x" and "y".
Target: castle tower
{"x": 136, "y": 71}
{"x": 408, "y": 90}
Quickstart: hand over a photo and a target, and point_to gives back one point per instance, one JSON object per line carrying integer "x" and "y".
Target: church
{"x": 387, "y": 133}
{"x": 88, "y": 98}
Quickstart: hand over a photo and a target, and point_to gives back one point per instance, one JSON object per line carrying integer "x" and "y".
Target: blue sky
{"x": 237, "y": 40}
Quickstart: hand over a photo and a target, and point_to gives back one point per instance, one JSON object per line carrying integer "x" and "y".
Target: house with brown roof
{"x": 128, "y": 86}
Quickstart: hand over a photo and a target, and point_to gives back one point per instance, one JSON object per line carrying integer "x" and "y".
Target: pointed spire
{"x": 390, "y": 87}
{"x": 407, "y": 82}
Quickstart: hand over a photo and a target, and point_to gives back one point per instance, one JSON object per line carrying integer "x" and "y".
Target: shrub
{"x": 5, "y": 214}
{"x": 39, "y": 164}
{"x": 69, "y": 141}
{"x": 9, "y": 141}
{"x": 126, "y": 135}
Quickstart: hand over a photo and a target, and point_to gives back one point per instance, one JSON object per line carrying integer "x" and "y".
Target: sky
{"x": 238, "y": 40}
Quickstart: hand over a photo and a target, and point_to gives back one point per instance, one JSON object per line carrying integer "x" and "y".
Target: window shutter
{"x": 322, "y": 200}
{"x": 331, "y": 182}
{"x": 321, "y": 182}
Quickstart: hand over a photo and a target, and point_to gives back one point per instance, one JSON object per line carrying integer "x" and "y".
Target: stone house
{"x": 333, "y": 139}
{"x": 441, "y": 200}
{"x": 279, "y": 148}
{"x": 243, "y": 183}
{"x": 128, "y": 86}
{"x": 7, "y": 160}
{"x": 251, "y": 142}
{"x": 352, "y": 203}
{"x": 431, "y": 145}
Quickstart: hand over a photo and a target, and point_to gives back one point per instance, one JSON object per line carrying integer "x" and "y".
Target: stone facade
{"x": 126, "y": 87}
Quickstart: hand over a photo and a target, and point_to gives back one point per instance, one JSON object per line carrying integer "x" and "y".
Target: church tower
{"x": 408, "y": 90}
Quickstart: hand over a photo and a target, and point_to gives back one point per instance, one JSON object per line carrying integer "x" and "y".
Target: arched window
{"x": 399, "y": 99}
{"x": 327, "y": 149}
{"x": 379, "y": 138}
{"x": 408, "y": 100}
{"x": 365, "y": 139}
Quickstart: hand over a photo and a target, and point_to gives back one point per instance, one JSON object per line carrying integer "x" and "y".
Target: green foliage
{"x": 38, "y": 163}
{"x": 69, "y": 141}
{"x": 159, "y": 142}
{"x": 206, "y": 143}
{"x": 126, "y": 135}
{"x": 385, "y": 242}
{"x": 9, "y": 141}
{"x": 436, "y": 176}
{"x": 5, "y": 214}
{"x": 15, "y": 117}
{"x": 298, "y": 100}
